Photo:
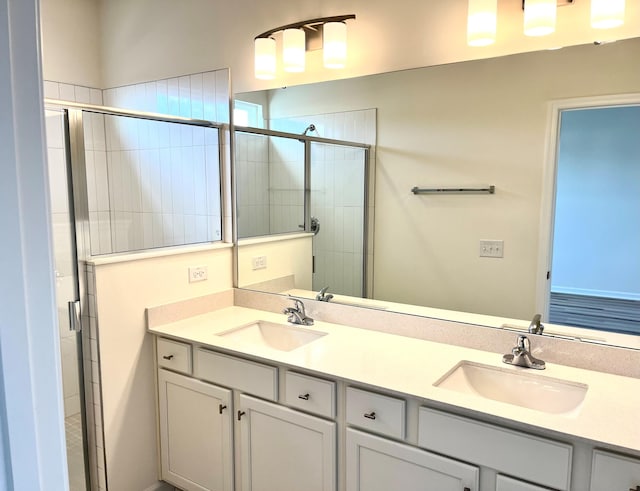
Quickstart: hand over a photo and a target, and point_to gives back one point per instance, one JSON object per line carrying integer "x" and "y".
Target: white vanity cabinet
{"x": 196, "y": 449}
{"x": 611, "y": 472}
{"x": 284, "y": 450}
{"x": 505, "y": 483}
{"x": 379, "y": 464}
{"x": 533, "y": 459}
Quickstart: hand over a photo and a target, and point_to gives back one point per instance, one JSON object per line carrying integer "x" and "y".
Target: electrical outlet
{"x": 259, "y": 262}
{"x": 491, "y": 248}
{"x": 198, "y": 273}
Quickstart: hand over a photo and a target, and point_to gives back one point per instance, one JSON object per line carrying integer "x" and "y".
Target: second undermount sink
{"x": 518, "y": 387}
{"x": 276, "y": 336}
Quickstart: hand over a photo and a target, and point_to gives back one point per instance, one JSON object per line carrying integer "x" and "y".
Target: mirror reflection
{"x": 470, "y": 124}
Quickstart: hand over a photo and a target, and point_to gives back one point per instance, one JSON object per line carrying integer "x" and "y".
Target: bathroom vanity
{"x": 247, "y": 401}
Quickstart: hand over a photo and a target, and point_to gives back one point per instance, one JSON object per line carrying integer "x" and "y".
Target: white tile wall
{"x": 164, "y": 178}
{"x": 252, "y": 167}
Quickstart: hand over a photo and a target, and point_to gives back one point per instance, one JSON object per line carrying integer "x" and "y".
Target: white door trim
{"x": 547, "y": 204}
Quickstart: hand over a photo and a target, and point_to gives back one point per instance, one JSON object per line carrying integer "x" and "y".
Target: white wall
{"x": 123, "y": 291}
{"x": 286, "y": 255}
{"x": 466, "y": 124}
{"x": 70, "y": 31}
{"x": 151, "y": 39}
{"x": 596, "y": 238}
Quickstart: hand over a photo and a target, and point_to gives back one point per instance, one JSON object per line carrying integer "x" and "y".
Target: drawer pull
{"x": 240, "y": 414}
{"x": 221, "y": 408}
{"x": 467, "y": 489}
{"x": 168, "y": 357}
{"x": 304, "y": 397}
{"x": 637, "y": 488}
{"x": 371, "y": 415}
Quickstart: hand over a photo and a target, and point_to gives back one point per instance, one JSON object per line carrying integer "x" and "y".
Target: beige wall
{"x": 285, "y": 257}
{"x": 466, "y": 124}
{"x": 123, "y": 291}
{"x": 70, "y": 36}
{"x": 151, "y": 39}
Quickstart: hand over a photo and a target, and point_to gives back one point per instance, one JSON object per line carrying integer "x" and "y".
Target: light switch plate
{"x": 492, "y": 248}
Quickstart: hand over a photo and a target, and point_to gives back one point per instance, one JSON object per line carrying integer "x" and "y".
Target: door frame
{"x": 548, "y": 191}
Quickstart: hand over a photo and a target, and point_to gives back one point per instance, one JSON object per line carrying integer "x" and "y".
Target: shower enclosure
{"x": 120, "y": 181}
{"x": 298, "y": 183}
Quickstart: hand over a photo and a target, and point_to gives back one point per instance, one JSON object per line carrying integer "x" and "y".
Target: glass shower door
{"x": 67, "y": 295}
{"x": 338, "y": 218}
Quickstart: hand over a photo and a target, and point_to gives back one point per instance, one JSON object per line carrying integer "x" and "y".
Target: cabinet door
{"x": 504, "y": 483}
{"x": 378, "y": 464}
{"x": 285, "y": 450}
{"x": 612, "y": 472}
{"x": 195, "y": 433}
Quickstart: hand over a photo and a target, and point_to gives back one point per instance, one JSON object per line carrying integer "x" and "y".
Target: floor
{"x": 75, "y": 453}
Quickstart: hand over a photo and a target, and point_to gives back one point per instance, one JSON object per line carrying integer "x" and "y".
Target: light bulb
{"x": 293, "y": 50}
{"x": 540, "y": 17}
{"x": 606, "y": 14}
{"x": 482, "y": 22}
{"x": 265, "y": 58}
{"x": 334, "y": 44}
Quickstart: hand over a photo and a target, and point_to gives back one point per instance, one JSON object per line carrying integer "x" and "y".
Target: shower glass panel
{"x": 270, "y": 184}
{"x": 67, "y": 290}
{"x": 150, "y": 183}
{"x": 338, "y": 201}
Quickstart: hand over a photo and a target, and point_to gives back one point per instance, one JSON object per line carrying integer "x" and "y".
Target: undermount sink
{"x": 269, "y": 334}
{"x": 521, "y": 388}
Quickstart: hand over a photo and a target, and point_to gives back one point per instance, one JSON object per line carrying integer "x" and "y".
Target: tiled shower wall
{"x": 252, "y": 167}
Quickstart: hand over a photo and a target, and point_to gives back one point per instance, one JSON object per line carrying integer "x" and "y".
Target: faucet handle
{"x": 523, "y": 343}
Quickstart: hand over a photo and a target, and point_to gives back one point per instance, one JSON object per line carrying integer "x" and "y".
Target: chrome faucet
{"x": 521, "y": 356}
{"x": 297, "y": 314}
{"x": 322, "y": 295}
{"x": 536, "y": 327}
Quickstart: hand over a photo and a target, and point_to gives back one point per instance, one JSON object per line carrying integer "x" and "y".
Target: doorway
{"x": 594, "y": 261}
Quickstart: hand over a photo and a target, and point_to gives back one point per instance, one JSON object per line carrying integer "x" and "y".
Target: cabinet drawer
{"x": 375, "y": 412}
{"x": 613, "y": 472}
{"x": 174, "y": 355}
{"x": 244, "y": 375}
{"x": 310, "y": 394}
{"x": 501, "y": 449}
{"x": 504, "y": 483}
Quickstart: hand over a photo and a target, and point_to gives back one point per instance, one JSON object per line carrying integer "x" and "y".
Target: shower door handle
{"x": 75, "y": 321}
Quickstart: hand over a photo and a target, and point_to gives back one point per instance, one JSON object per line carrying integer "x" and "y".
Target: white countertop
{"x": 609, "y": 414}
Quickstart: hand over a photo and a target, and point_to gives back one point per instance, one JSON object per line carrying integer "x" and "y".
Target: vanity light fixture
{"x": 299, "y": 37}
{"x": 606, "y": 14}
{"x": 482, "y": 22}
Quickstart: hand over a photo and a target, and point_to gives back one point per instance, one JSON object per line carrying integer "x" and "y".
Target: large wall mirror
{"x": 466, "y": 125}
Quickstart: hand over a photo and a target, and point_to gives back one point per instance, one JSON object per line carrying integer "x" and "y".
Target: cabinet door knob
{"x": 168, "y": 357}
{"x": 240, "y": 414}
{"x": 371, "y": 415}
{"x": 221, "y": 408}
{"x": 304, "y": 397}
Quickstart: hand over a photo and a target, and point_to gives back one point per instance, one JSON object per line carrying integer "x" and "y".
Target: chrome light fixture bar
{"x": 297, "y": 38}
